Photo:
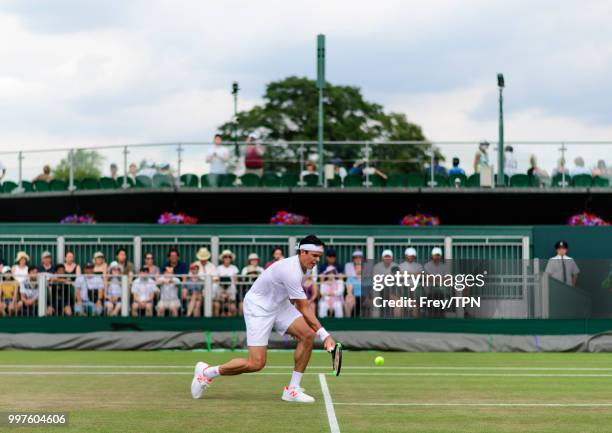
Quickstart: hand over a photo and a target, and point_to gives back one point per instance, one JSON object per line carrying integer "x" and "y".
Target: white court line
{"x": 318, "y": 367}
{"x": 264, "y": 373}
{"x": 481, "y": 404}
{"x": 329, "y": 405}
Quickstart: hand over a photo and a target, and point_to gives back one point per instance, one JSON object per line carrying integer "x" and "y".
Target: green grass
{"x": 155, "y": 396}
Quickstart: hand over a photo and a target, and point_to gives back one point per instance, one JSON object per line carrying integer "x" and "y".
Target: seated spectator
{"x": 311, "y": 168}
{"x": 70, "y": 266}
{"x": 20, "y": 268}
{"x": 193, "y": 291}
{"x": 534, "y": 170}
{"x": 360, "y": 169}
{"x": 277, "y": 254}
{"x": 481, "y": 159}
{"x": 455, "y": 168}
{"x": 179, "y": 268}
{"x": 114, "y": 291}
{"x": 224, "y": 297}
{"x": 9, "y": 290}
{"x": 437, "y": 168}
{"x": 114, "y": 171}
{"x": 436, "y": 266}
{"x": 311, "y": 288}
{"x": 228, "y": 273}
{"x": 248, "y": 275}
{"x": 99, "y": 261}
{"x": 352, "y": 301}
{"x": 601, "y": 170}
{"x": 205, "y": 267}
{"x": 127, "y": 267}
{"x": 561, "y": 168}
{"x": 411, "y": 266}
{"x": 143, "y": 293}
{"x": 89, "y": 289}
{"x": 579, "y": 167}
{"x": 510, "y": 162}
{"x": 45, "y": 176}
{"x": 150, "y": 266}
{"x": 60, "y": 293}
{"x": 28, "y": 295}
{"x": 331, "y": 260}
{"x": 254, "y": 156}
{"x": 332, "y": 294}
{"x": 133, "y": 171}
{"x": 168, "y": 297}
{"x": 357, "y": 260}
{"x": 46, "y": 263}
{"x": 338, "y": 169}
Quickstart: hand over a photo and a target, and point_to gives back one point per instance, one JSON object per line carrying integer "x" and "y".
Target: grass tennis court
{"x": 416, "y": 392}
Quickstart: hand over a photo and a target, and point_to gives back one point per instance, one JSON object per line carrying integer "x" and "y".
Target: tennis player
{"x": 276, "y": 300}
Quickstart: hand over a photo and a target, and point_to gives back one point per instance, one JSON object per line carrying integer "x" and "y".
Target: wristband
{"x": 322, "y": 333}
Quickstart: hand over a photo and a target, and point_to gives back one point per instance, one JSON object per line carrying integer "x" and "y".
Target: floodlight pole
{"x": 500, "y": 144}
{"x": 320, "y": 87}
{"x": 235, "y": 90}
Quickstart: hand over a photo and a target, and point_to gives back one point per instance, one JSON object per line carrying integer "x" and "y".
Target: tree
{"x": 87, "y": 164}
{"x": 289, "y": 113}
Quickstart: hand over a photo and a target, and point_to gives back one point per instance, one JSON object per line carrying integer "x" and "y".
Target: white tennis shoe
{"x": 296, "y": 394}
{"x": 199, "y": 382}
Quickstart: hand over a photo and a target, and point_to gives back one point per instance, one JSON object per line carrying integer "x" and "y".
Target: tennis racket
{"x": 336, "y": 354}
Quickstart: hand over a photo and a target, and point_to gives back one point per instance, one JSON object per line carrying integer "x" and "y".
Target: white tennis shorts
{"x": 259, "y": 327}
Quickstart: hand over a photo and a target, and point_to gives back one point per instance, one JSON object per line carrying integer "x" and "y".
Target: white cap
{"x": 436, "y": 251}
{"x": 410, "y": 252}
{"x": 387, "y": 253}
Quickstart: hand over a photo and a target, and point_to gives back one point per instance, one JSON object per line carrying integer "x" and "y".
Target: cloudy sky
{"x": 86, "y": 72}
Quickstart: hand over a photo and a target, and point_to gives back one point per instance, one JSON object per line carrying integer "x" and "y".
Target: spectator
{"x": 562, "y": 267}
{"x": 357, "y": 260}
{"x": 277, "y": 254}
{"x": 20, "y": 268}
{"x": 45, "y": 176}
{"x": 338, "y": 169}
{"x": 174, "y": 262}
{"x": 534, "y": 170}
{"x": 127, "y": 268}
{"x": 143, "y": 293}
{"x": 46, "y": 263}
{"x": 311, "y": 289}
{"x": 436, "y": 267}
{"x": 9, "y": 288}
{"x": 168, "y": 298}
{"x": 114, "y": 171}
{"x": 248, "y": 276}
{"x": 331, "y": 260}
{"x": 360, "y": 169}
{"x": 560, "y": 168}
{"x": 133, "y": 171}
{"x": 114, "y": 291}
{"x": 193, "y": 291}
{"x": 332, "y": 294}
{"x": 225, "y": 288}
{"x": 60, "y": 293}
{"x": 510, "y": 162}
{"x": 28, "y": 295}
{"x": 150, "y": 266}
{"x": 2, "y": 170}
{"x": 456, "y": 169}
{"x": 579, "y": 167}
{"x": 387, "y": 265}
{"x": 352, "y": 301}
{"x": 311, "y": 168}
{"x": 218, "y": 157}
{"x": 254, "y": 156}
{"x": 601, "y": 170}
{"x": 100, "y": 265}
{"x": 481, "y": 159}
{"x": 205, "y": 267}
{"x": 89, "y": 292}
{"x": 411, "y": 266}
{"x": 438, "y": 170}
{"x": 70, "y": 266}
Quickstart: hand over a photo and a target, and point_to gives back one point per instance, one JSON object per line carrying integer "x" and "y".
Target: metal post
{"x": 500, "y": 144}
{"x": 208, "y": 294}
{"x": 301, "y": 150}
{"x": 19, "y": 188}
{"x": 235, "y": 90}
{"x": 563, "y": 149}
{"x": 432, "y": 181}
{"x": 42, "y": 295}
{"x": 179, "y": 160}
{"x": 125, "y": 296}
{"x": 370, "y": 253}
{"x": 320, "y": 86}
{"x": 292, "y": 244}
{"x": 125, "y": 184}
{"x": 214, "y": 250}
{"x": 60, "y": 254}
{"x": 71, "y": 186}
{"x": 137, "y": 253}
{"x": 367, "y": 164}
{"x": 448, "y": 247}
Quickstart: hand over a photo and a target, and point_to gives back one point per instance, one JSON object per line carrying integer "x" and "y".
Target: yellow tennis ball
{"x": 379, "y": 360}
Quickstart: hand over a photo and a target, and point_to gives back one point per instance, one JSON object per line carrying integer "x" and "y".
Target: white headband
{"x": 311, "y": 247}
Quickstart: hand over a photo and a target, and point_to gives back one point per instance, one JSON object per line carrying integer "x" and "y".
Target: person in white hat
{"x": 20, "y": 268}
{"x": 357, "y": 260}
{"x": 387, "y": 265}
{"x": 100, "y": 265}
{"x": 436, "y": 266}
{"x": 410, "y": 264}
{"x": 248, "y": 275}
{"x": 225, "y": 290}
{"x": 205, "y": 267}
{"x": 276, "y": 301}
